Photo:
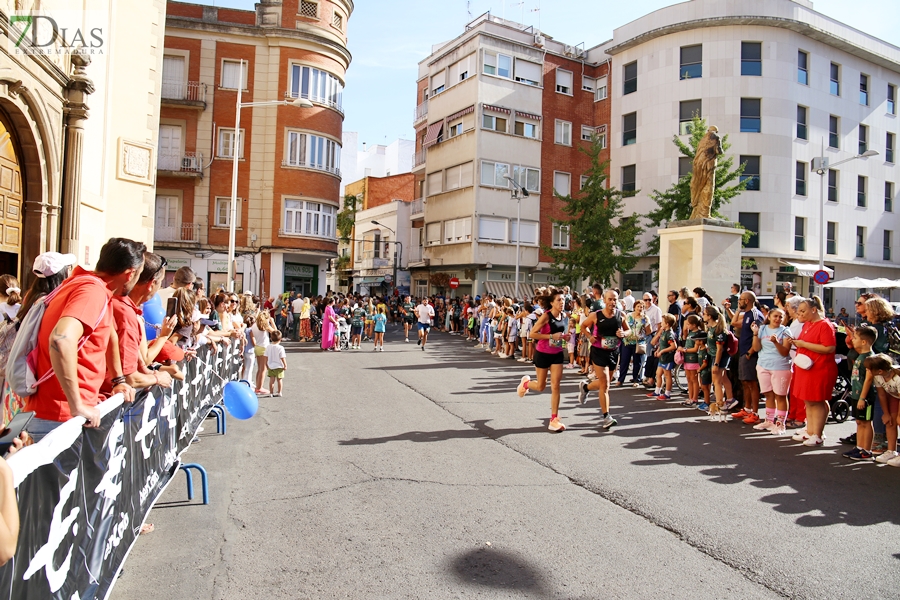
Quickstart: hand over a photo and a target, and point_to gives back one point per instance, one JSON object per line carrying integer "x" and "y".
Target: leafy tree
{"x": 674, "y": 204}
{"x": 346, "y": 219}
{"x": 603, "y": 242}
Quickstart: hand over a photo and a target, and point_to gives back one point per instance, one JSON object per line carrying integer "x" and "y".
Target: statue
{"x": 703, "y": 179}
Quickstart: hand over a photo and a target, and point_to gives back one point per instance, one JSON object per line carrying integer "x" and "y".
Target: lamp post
{"x": 518, "y": 192}
{"x": 821, "y": 165}
{"x": 396, "y": 243}
{"x": 236, "y": 144}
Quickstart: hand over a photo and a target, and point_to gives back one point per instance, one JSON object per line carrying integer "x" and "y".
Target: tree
{"x": 346, "y": 219}
{"x": 603, "y": 242}
{"x": 674, "y": 204}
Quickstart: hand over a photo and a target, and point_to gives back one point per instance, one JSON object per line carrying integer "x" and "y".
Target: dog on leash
{"x": 717, "y": 413}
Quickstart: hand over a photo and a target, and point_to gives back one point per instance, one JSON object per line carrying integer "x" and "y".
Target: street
{"x": 411, "y": 474}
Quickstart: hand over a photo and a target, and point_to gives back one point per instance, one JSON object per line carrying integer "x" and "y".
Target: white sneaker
{"x": 556, "y": 426}
{"x": 764, "y": 425}
{"x": 582, "y": 391}
{"x": 894, "y": 462}
{"x": 520, "y": 360}
{"x": 813, "y": 440}
{"x": 502, "y": 355}
{"x": 406, "y": 340}
{"x": 800, "y": 435}
{"x": 523, "y": 386}
{"x": 885, "y": 457}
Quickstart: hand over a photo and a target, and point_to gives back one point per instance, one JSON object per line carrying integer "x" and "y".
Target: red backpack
{"x": 731, "y": 343}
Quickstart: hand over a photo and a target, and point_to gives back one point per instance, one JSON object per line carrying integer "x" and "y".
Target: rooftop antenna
{"x": 537, "y": 10}
{"x": 469, "y": 9}
{"x": 522, "y": 4}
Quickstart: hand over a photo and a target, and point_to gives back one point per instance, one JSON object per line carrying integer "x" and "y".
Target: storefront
{"x": 214, "y": 272}
{"x": 303, "y": 279}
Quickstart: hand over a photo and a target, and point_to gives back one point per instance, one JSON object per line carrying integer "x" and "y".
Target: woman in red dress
{"x": 815, "y": 385}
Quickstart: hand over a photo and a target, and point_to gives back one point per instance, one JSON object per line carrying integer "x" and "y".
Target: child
{"x": 574, "y": 331}
{"x": 862, "y": 393}
{"x": 666, "y": 354}
{"x": 704, "y": 373}
{"x": 691, "y": 359}
{"x": 275, "y": 356}
{"x": 380, "y": 322}
{"x": 887, "y": 382}
{"x": 499, "y": 333}
{"x": 512, "y": 333}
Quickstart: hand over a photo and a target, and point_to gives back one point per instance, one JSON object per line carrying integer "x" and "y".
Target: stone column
{"x": 75, "y": 113}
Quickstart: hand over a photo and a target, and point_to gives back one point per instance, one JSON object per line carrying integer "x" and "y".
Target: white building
{"x": 779, "y": 79}
{"x": 378, "y": 265}
{"x": 373, "y": 161}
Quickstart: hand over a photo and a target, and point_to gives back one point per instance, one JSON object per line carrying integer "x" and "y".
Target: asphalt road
{"x": 411, "y": 474}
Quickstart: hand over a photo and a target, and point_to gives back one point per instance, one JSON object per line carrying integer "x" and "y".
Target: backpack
{"x": 8, "y": 332}
{"x": 731, "y": 343}
{"x": 21, "y": 368}
{"x": 892, "y": 331}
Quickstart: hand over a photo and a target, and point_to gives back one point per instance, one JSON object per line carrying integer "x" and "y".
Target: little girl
{"x": 666, "y": 355}
{"x": 691, "y": 359}
{"x": 704, "y": 373}
{"x": 275, "y": 363}
{"x": 887, "y": 382}
{"x": 512, "y": 332}
{"x": 574, "y": 330}
{"x": 380, "y": 320}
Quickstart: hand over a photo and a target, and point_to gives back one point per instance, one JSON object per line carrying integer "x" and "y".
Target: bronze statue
{"x": 703, "y": 179}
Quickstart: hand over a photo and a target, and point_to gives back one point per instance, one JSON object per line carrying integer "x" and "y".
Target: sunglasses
{"x": 647, "y": 299}
{"x": 859, "y": 303}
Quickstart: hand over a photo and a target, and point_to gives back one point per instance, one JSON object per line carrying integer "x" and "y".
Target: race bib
{"x": 556, "y": 343}
{"x": 609, "y": 342}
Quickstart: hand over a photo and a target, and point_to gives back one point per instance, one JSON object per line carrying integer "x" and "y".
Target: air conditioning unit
{"x": 539, "y": 40}
{"x": 579, "y": 52}
{"x": 570, "y": 50}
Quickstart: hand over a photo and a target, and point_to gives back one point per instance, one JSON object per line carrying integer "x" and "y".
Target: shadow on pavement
{"x": 479, "y": 430}
{"x": 498, "y": 569}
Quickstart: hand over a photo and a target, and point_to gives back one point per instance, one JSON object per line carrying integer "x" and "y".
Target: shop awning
{"x": 508, "y": 288}
{"x": 806, "y": 269}
{"x": 431, "y": 136}
{"x": 379, "y": 279}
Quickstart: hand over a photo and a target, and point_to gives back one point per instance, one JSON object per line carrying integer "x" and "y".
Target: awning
{"x": 806, "y": 269}
{"x": 498, "y": 109}
{"x": 431, "y": 136}
{"x": 379, "y": 279}
{"x": 519, "y": 113}
{"x": 461, "y": 113}
{"x": 508, "y": 288}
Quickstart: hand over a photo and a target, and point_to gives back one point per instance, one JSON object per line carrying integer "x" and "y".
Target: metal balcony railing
{"x": 417, "y": 208}
{"x": 308, "y": 165}
{"x": 186, "y": 232}
{"x": 421, "y": 112}
{"x": 415, "y": 254}
{"x": 419, "y": 158}
{"x": 192, "y": 91}
{"x": 187, "y": 162}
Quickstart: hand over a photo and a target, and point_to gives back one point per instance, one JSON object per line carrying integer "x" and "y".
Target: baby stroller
{"x": 839, "y": 404}
{"x": 343, "y": 329}
{"x": 315, "y": 324}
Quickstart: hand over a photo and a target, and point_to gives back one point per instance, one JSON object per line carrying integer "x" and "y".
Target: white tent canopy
{"x": 883, "y": 283}
{"x": 856, "y": 283}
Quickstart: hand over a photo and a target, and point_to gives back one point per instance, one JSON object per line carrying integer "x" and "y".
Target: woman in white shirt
{"x": 10, "y": 297}
{"x": 261, "y": 330}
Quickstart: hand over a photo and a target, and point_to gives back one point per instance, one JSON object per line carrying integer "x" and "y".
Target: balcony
{"x": 419, "y": 159}
{"x": 368, "y": 261}
{"x": 421, "y": 113}
{"x": 305, "y": 164}
{"x": 183, "y": 93}
{"x": 186, "y": 164}
{"x": 186, "y": 233}
{"x": 335, "y": 101}
{"x": 417, "y": 208}
{"x": 415, "y": 254}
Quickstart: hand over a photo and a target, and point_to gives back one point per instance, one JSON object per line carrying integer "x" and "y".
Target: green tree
{"x": 346, "y": 219}
{"x": 602, "y": 241}
{"x": 674, "y": 204}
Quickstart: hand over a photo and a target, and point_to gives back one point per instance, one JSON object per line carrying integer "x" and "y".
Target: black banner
{"x": 83, "y": 494}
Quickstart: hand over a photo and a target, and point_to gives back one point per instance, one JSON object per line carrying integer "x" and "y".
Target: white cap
{"x": 51, "y": 263}
{"x": 248, "y": 293}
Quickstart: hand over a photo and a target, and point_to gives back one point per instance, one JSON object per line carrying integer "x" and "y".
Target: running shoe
{"x": 813, "y": 440}
{"x": 863, "y": 455}
{"x": 894, "y": 462}
{"x": 423, "y": 348}
{"x": 582, "y": 391}
{"x": 664, "y": 397}
{"x": 521, "y": 359}
{"x": 850, "y": 439}
{"x": 608, "y": 422}
{"x": 751, "y": 419}
{"x": 652, "y": 395}
{"x": 800, "y": 435}
{"x": 523, "y": 386}
{"x": 731, "y": 404}
{"x": 885, "y": 457}
{"x": 763, "y": 426}
{"x": 739, "y": 414}
{"x": 852, "y": 454}
{"x": 703, "y": 406}
{"x": 501, "y": 355}
{"x": 419, "y": 343}
{"x": 556, "y": 426}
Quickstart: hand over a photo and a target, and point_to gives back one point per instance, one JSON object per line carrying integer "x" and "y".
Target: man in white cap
{"x": 51, "y": 263}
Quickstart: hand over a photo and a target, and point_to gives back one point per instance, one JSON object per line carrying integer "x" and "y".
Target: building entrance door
{"x": 11, "y": 202}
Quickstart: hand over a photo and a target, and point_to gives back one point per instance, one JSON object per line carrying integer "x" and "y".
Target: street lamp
{"x": 396, "y": 242}
{"x": 232, "y": 221}
{"x": 518, "y": 192}
{"x": 821, "y": 165}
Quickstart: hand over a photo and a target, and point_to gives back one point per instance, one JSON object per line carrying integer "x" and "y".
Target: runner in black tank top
{"x": 549, "y": 331}
{"x": 604, "y": 329}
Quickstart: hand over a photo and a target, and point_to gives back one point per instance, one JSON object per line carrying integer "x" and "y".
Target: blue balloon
{"x": 154, "y": 314}
{"x": 240, "y": 400}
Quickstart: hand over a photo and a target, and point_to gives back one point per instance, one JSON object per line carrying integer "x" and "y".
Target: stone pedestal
{"x": 700, "y": 252}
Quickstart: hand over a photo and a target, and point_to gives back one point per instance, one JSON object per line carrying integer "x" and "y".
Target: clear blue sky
{"x": 389, "y": 37}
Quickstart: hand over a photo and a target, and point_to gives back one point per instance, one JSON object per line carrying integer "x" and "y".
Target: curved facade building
{"x": 289, "y": 170}
{"x": 787, "y": 85}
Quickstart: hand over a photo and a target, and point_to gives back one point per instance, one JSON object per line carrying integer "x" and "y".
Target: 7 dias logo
{"x": 63, "y": 32}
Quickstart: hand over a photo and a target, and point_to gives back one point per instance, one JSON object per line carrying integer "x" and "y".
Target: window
{"x": 491, "y": 229}
{"x": 583, "y": 182}
{"x": 835, "y": 87}
{"x": 799, "y": 234}
{"x": 889, "y": 147}
{"x": 802, "y": 68}
{"x": 750, "y": 115}
{"x": 529, "y": 232}
{"x": 564, "y": 82}
{"x": 691, "y": 62}
{"x": 528, "y": 72}
{"x": 529, "y": 130}
{"x": 832, "y": 185}
{"x": 602, "y": 137}
{"x": 629, "y": 129}
{"x": 560, "y": 236}
{"x": 317, "y": 86}
{"x": 173, "y": 80}
{"x": 629, "y": 84}
{"x": 886, "y": 252}
{"x": 751, "y": 58}
{"x": 601, "y": 89}
{"x": 860, "y": 242}
{"x": 434, "y": 182}
{"x": 498, "y": 64}
{"x": 309, "y": 218}
{"x": 861, "y": 191}
{"x": 834, "y": 136}
{"x": 223, "y": 212}
{"x": 685, "y": 166}
{"x": 687, "y": 110}
{"x": 438, "y": 83}
{"x": 337, "y": 21}
{"x": 459, "y": 176}
{"x": 800, "y": 179}
{"x": 588, "y": 84}
{"x": 863, "y": 138}
{"x": 376, "y": 244}
{"x": 309, "y": 9}
{"x": 494, "y": 174}
{"x": 628, "y": 178}
{"x": 751, "y": 172}
{"x": 455, "y": 129}
{"x": 562, "y": 183}
{"x": 458, "y": 230}
{"x": 563, "y": 133}
{"x": 750, "y": 222}
{"x": 888, "y": 196}
{"x": 432, "y": 234}
{"x": 493, "y": 123}
{"x": 831, "y": 238}
{"x": 461, "y": 69}
{"x": 863, "y": 89}
{"x": 527, "y": 177}
{"x": 587, "y": 133}
{"x": 167, "y": 217}
{"x": 225, "y": 147}
{"x": 314, "y": 152}
{"x": 802, "y": 131}
{"x": 892, "y": 99}
{"x": 232, "y": 73}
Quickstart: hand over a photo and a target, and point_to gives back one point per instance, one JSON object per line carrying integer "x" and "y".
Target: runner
{"x": 409, "y": 316}
{"x": 425, "y": 313}
{"x": 549, "y": 331}
{"x": 603, "y": 328}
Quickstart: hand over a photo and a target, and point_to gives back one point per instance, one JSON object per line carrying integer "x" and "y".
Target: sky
{"x": 388, "y": 38}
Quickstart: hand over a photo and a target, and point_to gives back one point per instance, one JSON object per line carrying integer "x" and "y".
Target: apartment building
{"x": 500, "y": 100}
{"x": 782, "y": 81}
{"x": 288, "y": 184}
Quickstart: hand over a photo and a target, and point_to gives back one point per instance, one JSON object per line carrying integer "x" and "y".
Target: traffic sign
{"x": 454, "y": 283}
{"x": 821, "y": 277}
{"x": 388, "y": 278}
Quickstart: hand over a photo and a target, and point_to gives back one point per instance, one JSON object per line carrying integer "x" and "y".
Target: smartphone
{"x": 12, "y": 431}
{"x": 171, "y": 307}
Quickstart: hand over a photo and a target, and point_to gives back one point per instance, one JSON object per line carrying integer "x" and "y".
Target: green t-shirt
{"x": 359, "y": 315}
{"x": 703, "y": 355}
{"x": 711, "y": 339}
{"x": 858, "y": 378}
{"x": 689, "y": 343}
{"x": 597, "y": 305}
{"x": 664, "y": 341}
{"x": 409, "y": 313}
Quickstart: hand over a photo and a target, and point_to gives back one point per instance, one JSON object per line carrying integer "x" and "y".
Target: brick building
{"x": 289, "y": 157}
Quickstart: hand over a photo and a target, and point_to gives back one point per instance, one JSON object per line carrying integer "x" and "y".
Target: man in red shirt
{"x": 81, "y": 309}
